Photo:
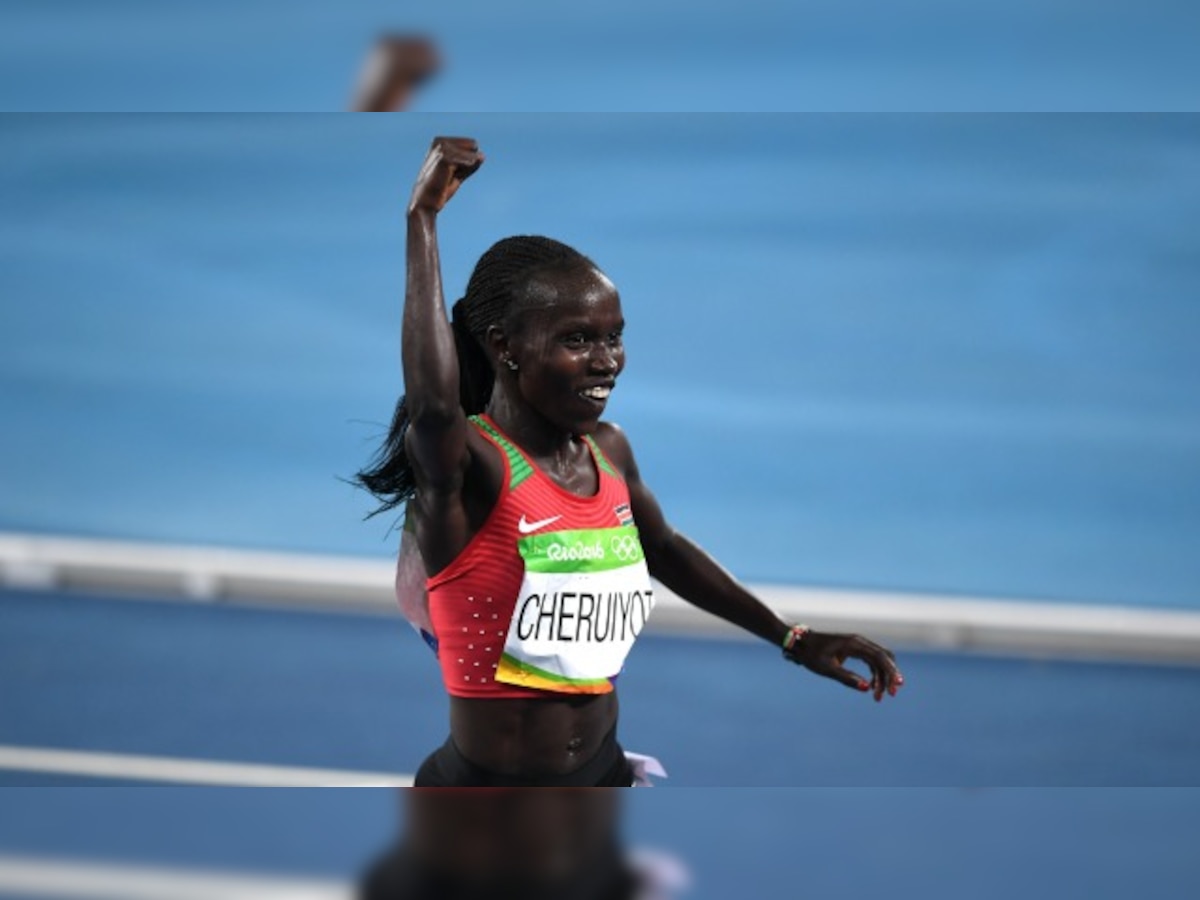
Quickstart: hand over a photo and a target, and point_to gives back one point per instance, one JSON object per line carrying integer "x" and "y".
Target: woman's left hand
{"x": 826, "y": 654}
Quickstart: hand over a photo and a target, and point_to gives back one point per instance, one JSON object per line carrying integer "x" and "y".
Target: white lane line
{"x": 186, "y": 771}
{"x": 70, "y": 879}
{"x": 32, "y": 561}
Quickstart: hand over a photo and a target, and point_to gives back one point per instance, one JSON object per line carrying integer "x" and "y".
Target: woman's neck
{"x": 535, "y": 434}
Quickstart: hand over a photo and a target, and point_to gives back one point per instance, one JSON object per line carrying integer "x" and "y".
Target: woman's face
{"x": 567, "y": 344}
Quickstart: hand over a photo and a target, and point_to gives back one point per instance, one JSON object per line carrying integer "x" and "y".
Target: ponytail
{"x": 389, "y": 475}
{"x": 475, "y": 374}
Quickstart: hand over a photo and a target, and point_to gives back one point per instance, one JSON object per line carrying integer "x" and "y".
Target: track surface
{"x": 141, "y": 677}
{"x": 362, "y": 693}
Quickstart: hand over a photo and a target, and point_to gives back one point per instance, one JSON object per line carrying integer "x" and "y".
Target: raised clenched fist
{"x": 450, "y": 162}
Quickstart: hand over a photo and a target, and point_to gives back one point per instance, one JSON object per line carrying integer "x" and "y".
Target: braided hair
{"x": 494, "y": 291}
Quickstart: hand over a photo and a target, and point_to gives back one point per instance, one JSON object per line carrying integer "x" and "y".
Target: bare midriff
{"x": 533, "y": 737}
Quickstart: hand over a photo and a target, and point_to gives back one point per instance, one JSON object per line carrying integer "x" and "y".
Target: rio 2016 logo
{"x": 576, "y": 551}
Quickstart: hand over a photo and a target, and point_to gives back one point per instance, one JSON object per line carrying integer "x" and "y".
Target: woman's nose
{"x": 604, "y": 359}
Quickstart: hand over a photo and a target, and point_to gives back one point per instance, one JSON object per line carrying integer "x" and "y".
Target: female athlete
{"x": 536, "y": 534}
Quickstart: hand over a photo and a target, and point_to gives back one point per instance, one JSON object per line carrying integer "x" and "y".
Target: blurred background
{"x": 930, "y": 377}
{"x": 689, "y": 843}
{"x": 948, "y": 354}
{"x": 621, "y": 55}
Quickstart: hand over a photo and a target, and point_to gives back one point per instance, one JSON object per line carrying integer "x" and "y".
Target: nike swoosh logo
{"x": 530, "y": 527}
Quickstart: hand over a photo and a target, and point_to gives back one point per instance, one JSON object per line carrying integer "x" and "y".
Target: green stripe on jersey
{"x": 584, "y": 550}
{"x": 600, "y": 457}
{"x": 518, "y": 465}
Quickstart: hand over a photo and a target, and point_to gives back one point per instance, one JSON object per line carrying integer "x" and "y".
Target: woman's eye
{"x": 614, "y": 339}
{"x": 575, "y": 340}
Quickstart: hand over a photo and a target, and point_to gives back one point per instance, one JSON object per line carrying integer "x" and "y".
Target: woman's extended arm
{"x": 695, "y": 576}
{"x": 437, "y": 436}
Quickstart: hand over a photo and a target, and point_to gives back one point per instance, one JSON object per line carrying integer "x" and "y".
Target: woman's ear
{"x": 497, "y": 345}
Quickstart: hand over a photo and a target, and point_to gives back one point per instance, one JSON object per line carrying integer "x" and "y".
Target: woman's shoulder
{"x": 612, "y": 440}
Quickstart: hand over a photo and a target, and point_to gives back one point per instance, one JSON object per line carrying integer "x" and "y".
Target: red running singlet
{"x": 550, "y": 593}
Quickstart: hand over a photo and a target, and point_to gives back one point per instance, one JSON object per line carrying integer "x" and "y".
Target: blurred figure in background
{"x": 396, "y": 66}
{"x": 557, "y": 844}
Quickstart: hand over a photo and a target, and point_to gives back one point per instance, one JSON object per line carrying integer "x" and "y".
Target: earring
{"x": 511, "y": 365}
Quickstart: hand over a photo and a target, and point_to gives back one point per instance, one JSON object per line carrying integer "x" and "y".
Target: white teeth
{"x": 597, "y": 393}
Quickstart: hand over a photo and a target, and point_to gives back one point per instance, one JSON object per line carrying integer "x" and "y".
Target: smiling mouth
{"x": 598, "y": 393}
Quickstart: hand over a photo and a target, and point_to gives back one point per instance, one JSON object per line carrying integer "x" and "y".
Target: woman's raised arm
{"x": 437, "y": 437}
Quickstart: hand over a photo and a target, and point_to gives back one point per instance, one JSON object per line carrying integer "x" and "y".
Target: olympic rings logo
{"x": 625, "y": 547}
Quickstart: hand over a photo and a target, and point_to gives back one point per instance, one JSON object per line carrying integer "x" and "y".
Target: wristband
{"x": 795, "y": 634}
